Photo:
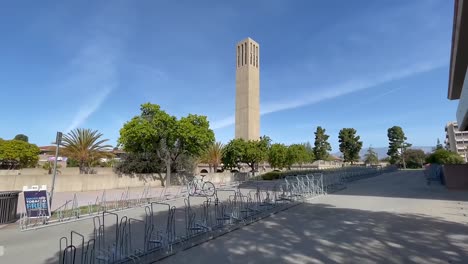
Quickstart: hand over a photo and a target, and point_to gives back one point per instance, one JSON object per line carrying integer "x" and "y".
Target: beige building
{"x": 455, "y": 140}
{"x": 247, "y": 90}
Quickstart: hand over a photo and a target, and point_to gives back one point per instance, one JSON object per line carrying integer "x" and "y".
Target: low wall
{"x": 69, "y": 179}
{"x": 456, "y": 176}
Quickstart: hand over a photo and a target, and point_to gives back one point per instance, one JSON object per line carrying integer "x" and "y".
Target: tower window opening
{"x": 242, "y": 58}
{"x": 245, "y": 44}
{"x": 250, "y": 51}
{"x": 238, "y": 56}
{"x": 256, "y": 56}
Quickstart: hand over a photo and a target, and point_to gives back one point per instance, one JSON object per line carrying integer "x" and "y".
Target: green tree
{"x": 72, "y": 163}
{"x": 49, "y": 166}
{"x": 250, "y": 152}
{"x": 397, "y": 145}
{"x": 213, "y": 155}
{"x": 255, "y": 152}
{"x": 310, "y": 151}
{"x": 386, "y": 159}
{"x": 439, "y": 145}
{"x": 297, "y": 154}
{"x": 154, "y": 134}
{"x": 277, "y": 156}
{"x": 443, "y": 156}
{"x": 321, "y": 145}
{"x": 22, "y": 137}
{"x": 414, "y": 158}
{"x": 232, "y": 155}
{"x": 350, "y": 145}
{"x": 25, "y": 154}
{"x": 371, "y": 157}
{"x": 85, "y": 146}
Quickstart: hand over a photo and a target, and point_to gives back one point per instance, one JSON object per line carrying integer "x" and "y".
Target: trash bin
{"x": 8, "y": 205}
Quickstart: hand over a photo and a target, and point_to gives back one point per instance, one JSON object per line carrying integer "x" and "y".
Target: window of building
{"x": 256, "y": 56}
{"x": 250, "y": 51}
{"x": 238, "y": 56}
{"x": 242, "y": 55}
{"x": 246, "y": 60}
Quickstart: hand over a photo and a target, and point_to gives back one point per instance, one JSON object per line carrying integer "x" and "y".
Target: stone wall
{"x": 456, "y": 176}
{"x": 69, "y": 180}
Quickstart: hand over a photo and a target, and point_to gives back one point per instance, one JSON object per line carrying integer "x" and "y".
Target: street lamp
{"x": 58, "y": 141}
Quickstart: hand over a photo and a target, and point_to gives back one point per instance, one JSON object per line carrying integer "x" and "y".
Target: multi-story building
{"x": 458, "y": 77}
{"x": 455, "y": 140}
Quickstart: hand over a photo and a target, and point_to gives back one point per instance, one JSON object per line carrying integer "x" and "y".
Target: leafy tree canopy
{"x": 277, "y": 155}
{"x": 443, "y": 156}
{"x": 321, "y": 145}
{"x": 310, "y": 151}
{"x": 256, "y": 151}
{"x": 371, "y": 157}
{"x": 350, "y": 145}
{"x": 154, "y": 132}
{"x": 26, "y": 154}
{"x": 397, "y": 144}
{"x": 233, "y": 153}
{"x": 297, "y": 154}
{"x": 249, "y": 152}
{"x": 22, "y": 137}
{"x": 414, "y": 158}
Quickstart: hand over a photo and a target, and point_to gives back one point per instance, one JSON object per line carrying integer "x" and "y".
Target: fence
{"x": 119, "y": 239}
{"x": 165, "y": 229}
{"x": 434, "y": 173}
{"x": 8, "y": 204}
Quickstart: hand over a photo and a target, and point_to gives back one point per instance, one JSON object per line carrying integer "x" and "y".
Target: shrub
{"x": 272, "y": 175}
{"x": 443, "y": 156}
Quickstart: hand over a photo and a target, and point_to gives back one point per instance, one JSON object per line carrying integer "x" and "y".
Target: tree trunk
{"x": 168, "y": 172}
{"x": 161, "y": 178}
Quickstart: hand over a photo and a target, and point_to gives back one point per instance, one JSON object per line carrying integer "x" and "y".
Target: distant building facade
{"x": 455, "y": 140}
{"x": 248, "y": 90}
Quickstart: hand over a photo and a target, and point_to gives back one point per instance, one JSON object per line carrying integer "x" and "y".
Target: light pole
{"x": 58, "y": 141}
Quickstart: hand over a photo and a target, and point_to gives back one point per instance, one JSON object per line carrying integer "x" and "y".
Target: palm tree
{"x": 213, "y": 155}
{"x": 85, "y": 146}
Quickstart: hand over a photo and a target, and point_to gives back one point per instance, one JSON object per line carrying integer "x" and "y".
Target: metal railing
{"x": 165, "y": 229}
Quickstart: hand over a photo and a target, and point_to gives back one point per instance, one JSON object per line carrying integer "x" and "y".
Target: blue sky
{"x": 363, "y": 64}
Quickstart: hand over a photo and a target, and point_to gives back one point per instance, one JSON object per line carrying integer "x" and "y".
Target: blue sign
{"x": 37, "y": 203}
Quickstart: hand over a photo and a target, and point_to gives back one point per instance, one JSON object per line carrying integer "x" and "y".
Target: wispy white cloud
{"x": 89, "y": 107}
{"x": 338, "y": 90}
{"x": 225, "y": 122}
{"x": 94, "y": 76}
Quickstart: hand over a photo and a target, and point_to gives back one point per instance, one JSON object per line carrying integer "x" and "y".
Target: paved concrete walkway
{"x": 393, "y": 218}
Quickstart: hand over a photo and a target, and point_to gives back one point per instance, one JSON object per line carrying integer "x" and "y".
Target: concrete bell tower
{"x": 248, "y": 90}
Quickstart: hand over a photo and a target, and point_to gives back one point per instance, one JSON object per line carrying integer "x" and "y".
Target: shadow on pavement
{"x": 320, "y": 233}
{"x": 403, "y": 184}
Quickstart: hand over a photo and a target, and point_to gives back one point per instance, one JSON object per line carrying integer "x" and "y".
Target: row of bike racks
{"x": 71, "y": 211}
{"x": 164, "y": 229}
{"x": 119, "y": 239}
